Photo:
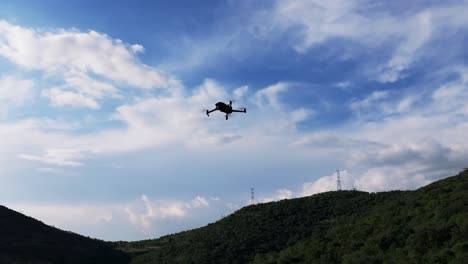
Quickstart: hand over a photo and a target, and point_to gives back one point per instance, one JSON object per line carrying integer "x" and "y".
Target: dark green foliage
{"x": 429, "y": 225}
{"x": 424, "y": 226}
{"x": 26, "y": 240}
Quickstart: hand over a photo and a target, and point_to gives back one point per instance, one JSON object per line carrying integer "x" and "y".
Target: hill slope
{"x": 26, "y": 240}
{"x": 429, "y": 225}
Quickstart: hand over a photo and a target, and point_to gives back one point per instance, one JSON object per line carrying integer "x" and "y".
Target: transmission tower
{"x": 252, "y": 195}
{"x": 338, "y": 180}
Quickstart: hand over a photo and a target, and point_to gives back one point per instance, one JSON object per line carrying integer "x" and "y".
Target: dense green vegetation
{"x": 26, "y": 240}
{"x": 429, "y": 225}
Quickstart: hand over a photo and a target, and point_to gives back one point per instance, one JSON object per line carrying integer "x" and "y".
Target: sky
{"x": 102, "y": 123}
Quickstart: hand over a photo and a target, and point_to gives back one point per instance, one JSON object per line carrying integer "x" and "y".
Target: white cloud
{"x": 14, "y": 92}
{"x": 359, "y": 22}
{"x": 58, "y": 157}
{"x": 174, "y": 210}
{"x": 452, "y": 96}
{"x": 136, "y": 48}
{"x": 49, "y": 170}
{"x": 343, "y": 85}
{"x": 301, "y": 114}
{"x": 369, "y": 101}
{"x": 391, "y": 178}
{"x": 423, "y": 142}
{"x": 384, "y": 103}
{"x": 278, "y": 196}
{"x": 406, "y": 104}
{"x": 199, "y": 202}
{"x": 330, "y": 140}
{"x": 71, "y": 50}
{"x": 46, "y": 123}
{"x": 323, "y": 184}
{"x": 150, "y": 122}
{"x": 268, "y": 97}
{"x": 240, "y": 92}
{"x": 93, "y": 88}
{"x": 59, "y": 97}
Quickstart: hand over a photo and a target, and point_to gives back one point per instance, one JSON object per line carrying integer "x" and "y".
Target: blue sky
{"x": 101, "y": 106}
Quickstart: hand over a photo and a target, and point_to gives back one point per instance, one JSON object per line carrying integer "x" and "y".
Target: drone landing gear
{"x": 226, "y": 117}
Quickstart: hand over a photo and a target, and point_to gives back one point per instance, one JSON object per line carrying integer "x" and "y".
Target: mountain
{"x": 26, "y": 240}
{"x": 429, "y": 225}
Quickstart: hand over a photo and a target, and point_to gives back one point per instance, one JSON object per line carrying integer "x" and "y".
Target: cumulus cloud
{"x": 74, "y": 57}
{"x": 71, "y": 50}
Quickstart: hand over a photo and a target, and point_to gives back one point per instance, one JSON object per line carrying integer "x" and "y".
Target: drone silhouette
{"x": 225, "y": 108}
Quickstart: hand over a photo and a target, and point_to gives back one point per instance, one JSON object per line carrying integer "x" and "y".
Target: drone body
{"x": 225, "y": 108}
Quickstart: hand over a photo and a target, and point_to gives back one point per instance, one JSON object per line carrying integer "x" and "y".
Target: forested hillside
{"x": 429, "y": 225}
{"x": 26, "y": 240}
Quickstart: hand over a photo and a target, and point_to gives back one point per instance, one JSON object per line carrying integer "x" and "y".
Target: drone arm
{"x": 209, "y": 111}
{"x": 240, "y": 111}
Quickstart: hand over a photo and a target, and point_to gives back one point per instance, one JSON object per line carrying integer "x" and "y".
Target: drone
{"x": 225, "y": 108}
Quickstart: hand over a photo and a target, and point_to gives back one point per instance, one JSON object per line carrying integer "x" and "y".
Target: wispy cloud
{"x": 316, "y": 22}
{"x": 59, "y": 157}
